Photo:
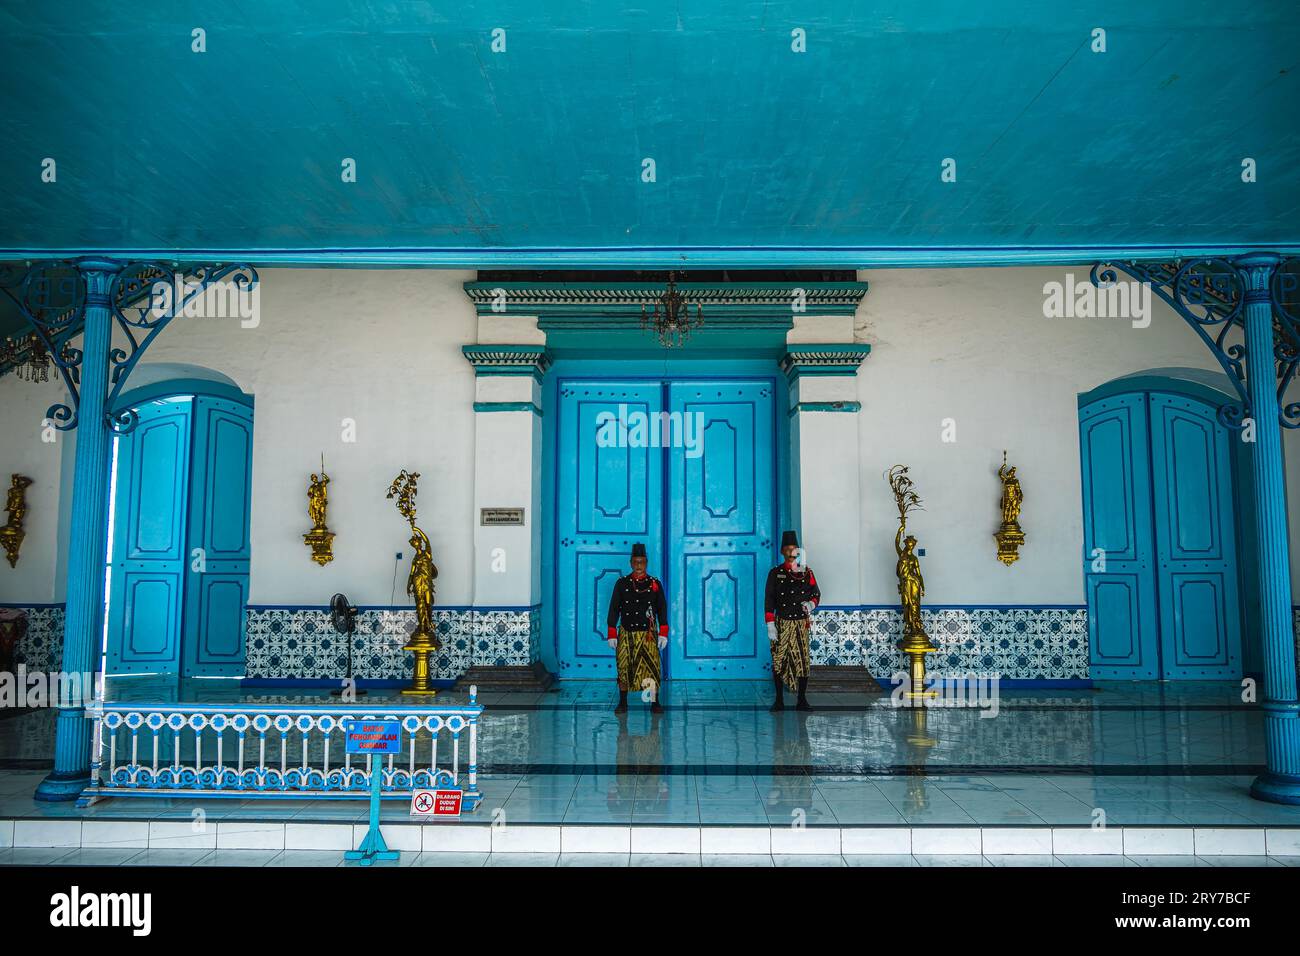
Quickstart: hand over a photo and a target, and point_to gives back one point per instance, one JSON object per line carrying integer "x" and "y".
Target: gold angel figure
{"x": 1012, "y": 496}
{"x": 16, "y": 500}
{"x": 1009, "y": 536}
{"x": 12, "y": 534}
{"x": 419, "y": 583}
{"x": 911, "y": 586}
{"x": 318, "y": 500}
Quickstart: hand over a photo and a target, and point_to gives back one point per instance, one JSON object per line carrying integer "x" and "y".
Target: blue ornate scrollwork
{"x": 143, "y": 298}
{"x": 1284, "y": 296}
{"x": 1210, "y": 295}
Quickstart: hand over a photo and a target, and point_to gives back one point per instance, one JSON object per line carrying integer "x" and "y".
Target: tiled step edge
{"x": 540, "y": 838}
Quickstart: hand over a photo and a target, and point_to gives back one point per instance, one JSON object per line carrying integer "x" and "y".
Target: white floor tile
{"x": 946, "y": 841}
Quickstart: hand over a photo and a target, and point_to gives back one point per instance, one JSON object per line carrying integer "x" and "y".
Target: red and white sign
{"x": 436, "y": 803}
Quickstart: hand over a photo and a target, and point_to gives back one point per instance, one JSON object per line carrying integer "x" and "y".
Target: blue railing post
{"x": 1280, "y": 783}
{"x": 83, "y": 624}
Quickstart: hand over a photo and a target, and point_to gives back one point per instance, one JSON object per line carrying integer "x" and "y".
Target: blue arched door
{"x": 179, "y": 538}
{"x": 1160, "y": 537}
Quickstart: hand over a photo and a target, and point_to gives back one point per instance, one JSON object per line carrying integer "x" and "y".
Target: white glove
{"x": 771, "y": 631}
{"x": 663, "y": 642}
{"x": 613, "y": 642}
{"x": 808, "y": 607}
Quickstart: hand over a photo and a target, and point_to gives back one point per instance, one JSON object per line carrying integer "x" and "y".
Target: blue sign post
{"x": 374, "y": 738}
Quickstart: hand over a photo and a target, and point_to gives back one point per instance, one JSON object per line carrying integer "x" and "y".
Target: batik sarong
{"x": 637, "y": 657}
{"x": 790, "y": 652}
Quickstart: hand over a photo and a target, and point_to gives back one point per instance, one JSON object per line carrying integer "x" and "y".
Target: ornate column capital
{"x": 531, "y": 360}
{"x": 838, "y": 358}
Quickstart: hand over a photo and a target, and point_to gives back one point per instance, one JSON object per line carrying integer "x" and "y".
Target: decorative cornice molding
{"x": 609, "y": 300}
{"x": 824, "y": 359}
{"x": 531, "y": 360}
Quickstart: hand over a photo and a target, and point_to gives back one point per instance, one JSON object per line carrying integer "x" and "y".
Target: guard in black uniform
{"x": 638, "y": 631}
{"x": 789, "y": 600}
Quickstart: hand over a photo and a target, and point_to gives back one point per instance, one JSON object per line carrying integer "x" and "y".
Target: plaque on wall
{"x": 501, "y": 516}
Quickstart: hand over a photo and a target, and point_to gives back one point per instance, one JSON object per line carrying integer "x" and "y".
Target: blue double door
{"x": 1160, "y": 539}
{"x": 178, "y": 567}
{"x": 687, "y": 468}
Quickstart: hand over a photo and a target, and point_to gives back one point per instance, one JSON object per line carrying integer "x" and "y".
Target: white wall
{"x": 973, "y": 345}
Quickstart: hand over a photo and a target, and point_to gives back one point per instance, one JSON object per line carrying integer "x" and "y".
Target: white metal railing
{"x": 273, "y": 750}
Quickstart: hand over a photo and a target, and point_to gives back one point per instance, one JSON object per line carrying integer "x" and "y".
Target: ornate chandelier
{"x": 27, "y": 357}
{"x": 671, "y": 320}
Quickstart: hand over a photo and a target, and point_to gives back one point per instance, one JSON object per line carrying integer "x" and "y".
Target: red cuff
{"x": 613, "y": 634}
{"x": 663, "y": 630}
{"x": 769, "y": 617}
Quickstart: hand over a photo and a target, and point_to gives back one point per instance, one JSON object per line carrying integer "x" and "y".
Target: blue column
{"x": 1280, "y": 783}
{"x": 84, "y": 623}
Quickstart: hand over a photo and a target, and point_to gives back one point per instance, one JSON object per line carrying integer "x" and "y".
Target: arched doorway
{"x": 1165, "y": 569}
{"x": 178, "y": 553}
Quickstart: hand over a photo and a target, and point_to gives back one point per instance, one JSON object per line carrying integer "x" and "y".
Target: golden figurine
{"x": 12, "y": 534}
{"x": 419, "y": 585}
{"x": 320, "y": 538}
{"x": 911, "y": 586}
{"x": 1009, "y": 537}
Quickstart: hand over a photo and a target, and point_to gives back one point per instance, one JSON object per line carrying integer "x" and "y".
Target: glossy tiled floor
{"x": 1176, "y": 754}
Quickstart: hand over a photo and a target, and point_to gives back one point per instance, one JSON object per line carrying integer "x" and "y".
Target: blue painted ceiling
{"x": 534, "y": 156}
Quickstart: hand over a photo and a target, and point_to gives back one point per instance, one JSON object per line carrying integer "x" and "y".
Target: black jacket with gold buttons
{"x": 639, "y": 604}
{"x": 788, "y": 587}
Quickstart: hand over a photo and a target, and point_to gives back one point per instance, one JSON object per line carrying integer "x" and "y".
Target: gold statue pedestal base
{"x": 916, "y": 646}
{"x": 1010, "y": 539}
{"x": 12, "y": 540}
{"x": 422, "y": 646}
{"x": 321, "y": 542}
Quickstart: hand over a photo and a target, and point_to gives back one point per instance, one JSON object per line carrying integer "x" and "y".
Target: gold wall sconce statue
{"x": 911, "y": 586}
{"x": 12, "y": 534}
{"x": 419, "y": 585}
{"x": 1009, "y": 536}
{"x": 320, "y": 538}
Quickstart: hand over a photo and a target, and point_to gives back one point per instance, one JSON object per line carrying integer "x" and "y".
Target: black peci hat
{"x": 789, "y": 538}
{"x": 638, "y": 550}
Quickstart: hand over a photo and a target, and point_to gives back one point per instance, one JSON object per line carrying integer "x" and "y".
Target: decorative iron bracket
{"x": 52, "y": 296}
{"x": 1210, "y": 295}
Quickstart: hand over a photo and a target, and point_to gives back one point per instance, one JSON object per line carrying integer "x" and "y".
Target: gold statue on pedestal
{"x": 911, "y": 586}
{"x": 419, "y": 585}
{"x": 320, "y": 538}
{"x": 1009, "y": 537}
{"x": 12, "y": 534}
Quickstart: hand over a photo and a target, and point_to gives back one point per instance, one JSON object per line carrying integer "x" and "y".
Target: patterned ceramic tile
{"x": 1015, "y": 642}
{"x": 301, "y": 643}
{"x": 41, "y": 649}
{"x": 1021, "y": 643}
